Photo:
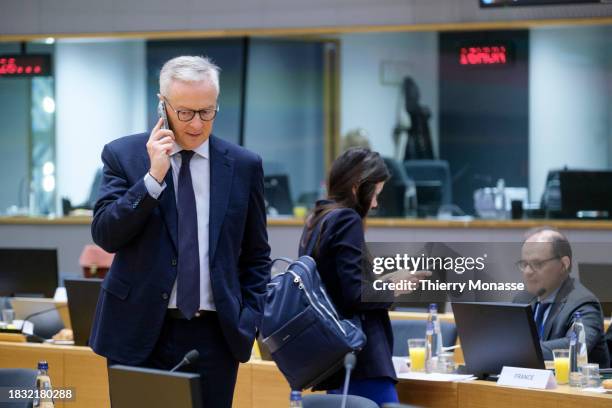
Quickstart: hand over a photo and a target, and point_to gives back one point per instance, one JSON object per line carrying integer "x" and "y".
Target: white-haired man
{"x": 184, "y": 212}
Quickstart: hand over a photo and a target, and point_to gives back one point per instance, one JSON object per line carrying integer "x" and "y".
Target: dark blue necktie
{"x": 540, "y": 311}
{"x": 188, "y": 280}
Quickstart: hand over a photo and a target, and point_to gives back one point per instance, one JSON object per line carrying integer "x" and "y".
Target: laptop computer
{"x": 494, "y": 335}
{"x": 145, "y": 387}
{"x": 82, "y": 299}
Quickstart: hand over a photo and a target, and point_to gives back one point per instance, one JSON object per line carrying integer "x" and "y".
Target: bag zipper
{"x": 325, "y": 294}
{"x": 299, "y": 279}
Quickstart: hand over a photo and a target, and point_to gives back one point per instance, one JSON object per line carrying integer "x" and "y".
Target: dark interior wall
{"x": 484, "y": 122}
{"x": 227, "y": 54}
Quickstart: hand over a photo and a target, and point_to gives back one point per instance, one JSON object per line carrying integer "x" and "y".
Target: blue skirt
{"x": 379, "y": 390}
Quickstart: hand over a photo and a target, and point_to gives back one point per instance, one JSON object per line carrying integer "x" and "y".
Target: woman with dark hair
{"x": 356, "y": 179}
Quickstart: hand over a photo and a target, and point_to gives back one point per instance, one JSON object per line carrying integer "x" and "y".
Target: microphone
{"x": 349, "y": 363}
{"x": 189, "y": 358}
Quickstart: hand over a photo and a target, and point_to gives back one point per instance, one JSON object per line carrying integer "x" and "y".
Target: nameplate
{"x": 27, "y": 328}
{"x": 527, "y": 378}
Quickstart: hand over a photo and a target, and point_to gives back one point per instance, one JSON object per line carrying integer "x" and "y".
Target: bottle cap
{"x": 43, "y": 365}
{"x": 433, "y": 306}
{"x": 296, "y": 395}
{"x": 577, "y": 315}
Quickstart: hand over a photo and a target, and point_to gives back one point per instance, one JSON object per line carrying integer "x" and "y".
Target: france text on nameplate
{"x": 528, "y": 378}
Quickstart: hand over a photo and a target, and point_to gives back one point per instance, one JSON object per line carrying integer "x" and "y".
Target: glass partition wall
{"x": 460, "y": 116}
{"x": 27, "y": 134}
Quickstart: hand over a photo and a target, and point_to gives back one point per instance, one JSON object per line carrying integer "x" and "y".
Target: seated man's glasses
{"x": 535, "y": 265}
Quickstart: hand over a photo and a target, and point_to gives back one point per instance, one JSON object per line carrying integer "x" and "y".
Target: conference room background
{"x": 292, "y": 99}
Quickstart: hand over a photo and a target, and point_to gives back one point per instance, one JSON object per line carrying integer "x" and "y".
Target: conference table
{"x": 261, "y": 385}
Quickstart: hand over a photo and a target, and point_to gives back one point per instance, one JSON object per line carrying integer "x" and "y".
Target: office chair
{"x": 90, "y": 202}
{"x": 597, "y": 277}
{"x": 273, "y": 167}
{"x": 409, "y": 329}
{"x": 46, "y": 325}
{"x": 278, "y": 195}
{"x": 335, "y": 401}
{"x": 433, "y": 184}
{"x": 17, "y": 378}
{"x": 398, "y": 198}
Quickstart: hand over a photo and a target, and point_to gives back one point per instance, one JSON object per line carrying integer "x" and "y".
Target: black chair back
{"x": 335, "y": 401}
{"x": 17, "y": 378}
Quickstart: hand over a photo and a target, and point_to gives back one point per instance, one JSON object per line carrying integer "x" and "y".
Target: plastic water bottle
{"x": 295, "y": 401}
{"x": 581, "y": 346}
{"x": 429, "y": 339}
{"x": 500, "y": 199}
{"x": 574, "y": 371}
{"x": 578, "y": 335}
{"x": 43, "y": 385}
{"x": 436, "y": 347}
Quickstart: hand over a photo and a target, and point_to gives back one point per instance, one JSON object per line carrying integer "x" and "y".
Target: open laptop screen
{"x": 494, "y": 335}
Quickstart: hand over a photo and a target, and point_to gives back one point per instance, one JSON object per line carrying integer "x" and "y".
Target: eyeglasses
{"x": 535, "y": 265}
{"x": 186, "y": 115}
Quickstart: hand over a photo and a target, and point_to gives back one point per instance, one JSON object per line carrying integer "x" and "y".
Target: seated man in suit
{"x": 546, "y": 261}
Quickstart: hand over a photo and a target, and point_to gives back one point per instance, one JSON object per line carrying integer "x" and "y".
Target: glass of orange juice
{"x": 300, "y": 211}
{"x": 561, "y": 357}
{"x": 416, "y": 350}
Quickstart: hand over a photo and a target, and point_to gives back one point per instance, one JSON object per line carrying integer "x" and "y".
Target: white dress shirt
{"x": 200, "y": 177}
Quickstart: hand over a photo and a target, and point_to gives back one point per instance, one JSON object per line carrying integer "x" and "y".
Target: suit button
{"x": 174, "y": 262}
{"x": 165, "y": 296}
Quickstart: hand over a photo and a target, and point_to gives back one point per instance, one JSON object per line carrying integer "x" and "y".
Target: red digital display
{"x": 484, "y": 55}
{"x": 25, "y": 65}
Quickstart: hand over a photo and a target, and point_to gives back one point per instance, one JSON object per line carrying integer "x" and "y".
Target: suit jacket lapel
{"x": 221, "y": 173}
{"x": 556, "y": 308}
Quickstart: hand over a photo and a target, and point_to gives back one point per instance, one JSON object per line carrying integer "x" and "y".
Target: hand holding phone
{"x": 161, "y": 112}
{"x": 159, "y": 145}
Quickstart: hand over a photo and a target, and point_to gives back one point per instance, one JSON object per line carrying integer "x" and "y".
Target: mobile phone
{"x": 161, "y": 112}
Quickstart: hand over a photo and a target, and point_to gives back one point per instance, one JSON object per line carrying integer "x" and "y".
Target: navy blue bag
{"x": 301, "y": 327}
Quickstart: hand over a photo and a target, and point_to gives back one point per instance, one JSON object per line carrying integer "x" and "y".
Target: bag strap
{"x": 316, "y": 232}
{"x": 281, "y": 259}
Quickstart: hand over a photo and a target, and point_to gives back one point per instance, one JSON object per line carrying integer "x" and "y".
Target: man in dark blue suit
{"x": 184, "y": 212}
